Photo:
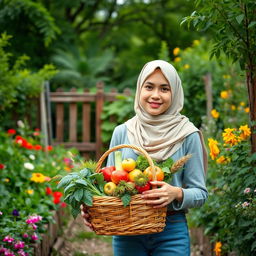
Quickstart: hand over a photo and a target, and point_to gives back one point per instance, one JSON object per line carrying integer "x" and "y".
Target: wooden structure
{"x": 92, "y": 107}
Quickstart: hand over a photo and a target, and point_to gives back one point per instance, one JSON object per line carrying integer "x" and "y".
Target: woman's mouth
{"x": 154, "y": 104}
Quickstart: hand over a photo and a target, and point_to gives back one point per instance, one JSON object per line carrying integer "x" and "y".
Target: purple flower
{"x": 1, "y": 213}
{"x": 15, "y": 212}
{"x": 8, "y": 239}
{"x": 247, "y": 190}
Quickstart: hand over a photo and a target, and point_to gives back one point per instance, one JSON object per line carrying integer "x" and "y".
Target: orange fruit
{"x": 159, "y": 173}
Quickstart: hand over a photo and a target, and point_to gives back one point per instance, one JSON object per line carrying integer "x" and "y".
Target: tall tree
{"x": 234, "y": 25}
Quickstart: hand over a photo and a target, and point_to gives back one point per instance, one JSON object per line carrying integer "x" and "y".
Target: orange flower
{"x": 217, "y": 248}
{"x": 215, "y": 114}
{"x": 224, "y": 94}
{"x": 223, "y": 160}
{"x": 229, "y": 137}
{"x": 214, "y": 150}
{"x": 176, "y": 51}
{"x": 246, "y": 132}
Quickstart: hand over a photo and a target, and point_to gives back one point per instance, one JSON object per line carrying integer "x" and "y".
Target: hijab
{"x": 161, "y": 135}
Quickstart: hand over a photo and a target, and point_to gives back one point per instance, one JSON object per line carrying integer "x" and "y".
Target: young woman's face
{"x": 155, "y": 96}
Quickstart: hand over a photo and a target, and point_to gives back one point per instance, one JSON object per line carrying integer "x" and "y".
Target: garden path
{"x": 81, "y": 241}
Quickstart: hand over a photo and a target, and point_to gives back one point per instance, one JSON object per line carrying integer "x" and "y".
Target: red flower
{"x": 11, "y": 131}
{"x": 36, "y": 133}
{"x": 48, "y": 191}
{"x": 29, "y": 146}
{"x": 37, "y": 129}
{"x": 63, "y": 205}
{"x": 37, "y": 147}
{"x": 57, "y": 194}
{"x": 2, "y": 166}
{"x": 56, "y": 200}
{"x": 49, "y": 148}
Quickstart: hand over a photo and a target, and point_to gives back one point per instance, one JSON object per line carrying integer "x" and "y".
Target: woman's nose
{"x": 155, "y": 94}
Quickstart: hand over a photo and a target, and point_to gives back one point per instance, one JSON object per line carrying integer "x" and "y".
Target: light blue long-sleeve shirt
{"x": 191, "y": 178}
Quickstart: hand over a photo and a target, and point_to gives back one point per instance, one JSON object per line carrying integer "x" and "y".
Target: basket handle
{"x": 141, "y": 150}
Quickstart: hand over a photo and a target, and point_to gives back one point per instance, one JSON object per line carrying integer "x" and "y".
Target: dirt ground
{"x": 81, "y": 241}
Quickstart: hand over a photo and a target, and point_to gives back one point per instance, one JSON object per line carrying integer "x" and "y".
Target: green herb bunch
{"x": 80, "y": 187}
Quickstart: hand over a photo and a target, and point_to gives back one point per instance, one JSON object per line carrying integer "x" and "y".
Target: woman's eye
{"x": 148, "y": 87}
{"x": 165, "y": 89}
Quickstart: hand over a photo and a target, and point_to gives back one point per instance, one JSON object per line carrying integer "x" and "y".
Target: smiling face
{"x": 155, "y": 96}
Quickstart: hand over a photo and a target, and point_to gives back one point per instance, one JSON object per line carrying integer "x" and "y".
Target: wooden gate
{"x": 91, "y": 114}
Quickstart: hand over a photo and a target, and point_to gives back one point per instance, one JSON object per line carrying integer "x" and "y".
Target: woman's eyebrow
{"x": 163, "y": 85}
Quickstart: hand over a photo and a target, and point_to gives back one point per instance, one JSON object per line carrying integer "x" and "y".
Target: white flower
{"x": 53, "y": 163}
{"x": 29, "y": 166}
{"x": 32, "y": 157}
{"x": 20, "y": 124}
{"x": 247, "y": 190}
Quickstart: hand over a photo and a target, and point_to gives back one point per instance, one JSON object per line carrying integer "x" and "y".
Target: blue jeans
{"x": 173, "y": 241}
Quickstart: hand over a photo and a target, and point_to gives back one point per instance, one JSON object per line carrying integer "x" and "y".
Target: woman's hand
{"x": 163, "y": 195}
{"x": 86, "y": 216}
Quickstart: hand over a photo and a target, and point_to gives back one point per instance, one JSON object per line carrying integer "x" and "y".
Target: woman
{"x": 160, "y": 129}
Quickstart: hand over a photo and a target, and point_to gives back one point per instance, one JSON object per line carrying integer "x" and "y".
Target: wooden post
{"x": 73, "y": 120}
{"x": 59, "y": 120}
{"x": 208, "y": 91}
{"x": 99, "y": 108}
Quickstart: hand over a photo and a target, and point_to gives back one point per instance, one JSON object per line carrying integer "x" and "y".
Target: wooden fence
{"x": 92, "y": 107}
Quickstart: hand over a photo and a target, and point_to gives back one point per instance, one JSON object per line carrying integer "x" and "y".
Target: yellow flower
{"x": 186, "y": 66}
{"x": 177, "y": 59}
{"x": 222, "y": 160}
{"x": 229, "y": 137}
{"x": 226, "y": 76}
{"x": 176, "y": 51}
{"x": 37, "y": 177}
{"x": 242, "y": 103}
{"x": 217, "y": 248}
{"x": 247, "y": 110}
{"x": 233, "y": 107}
{"x": 6, "y": 180}
{"x": 30, "y": 191}
{"x": 214, "y": 150}
{"x": 215, "y": 114}
{"x": 224, "y": 94}
{"x": 246, "y": 132}
{"x": 196, "y": 42}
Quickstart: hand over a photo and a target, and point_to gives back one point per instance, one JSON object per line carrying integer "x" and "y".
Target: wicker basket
{"x": 108, "y": 216}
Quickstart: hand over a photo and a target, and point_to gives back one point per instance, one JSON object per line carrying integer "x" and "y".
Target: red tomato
{"x": 107, "y": 171}
{"x": 143, "y": 188}
{"x": 118, "y": 175}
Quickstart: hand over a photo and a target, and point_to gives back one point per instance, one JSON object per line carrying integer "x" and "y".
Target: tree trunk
{"x": 251, "y": 86}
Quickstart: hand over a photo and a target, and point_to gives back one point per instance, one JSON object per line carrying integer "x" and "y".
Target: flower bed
{"x": 29, "y": 197}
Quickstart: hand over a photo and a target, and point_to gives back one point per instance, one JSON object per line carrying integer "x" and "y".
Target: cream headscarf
{"x": 161, "y": 136}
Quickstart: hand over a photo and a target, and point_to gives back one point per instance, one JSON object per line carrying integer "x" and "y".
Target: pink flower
{"x": 247, "y": 190}
{"x": 19, "y": 245}
{"x": 22, "y": 253}
{"x": 34, "y": 219}
{"x": 8, "y": 239}
{"x": 245, "y": 204}
{"x": 25, "y": 235}
{"x": 34, "y": 226}
{"x": 1, "y": 213}
{"x": 34, "y": 237}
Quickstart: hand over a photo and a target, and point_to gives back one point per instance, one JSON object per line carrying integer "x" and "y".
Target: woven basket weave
{"x": 108, "y": 216}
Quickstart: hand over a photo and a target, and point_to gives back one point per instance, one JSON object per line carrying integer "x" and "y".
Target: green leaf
{"x": 67, "y": 189}
{"x": 64, "y": 181}
{"x": 253, "y": 23}
{"x": 240, "y": 18}
{"x": 85, "y": 172}
{"x": 79, "y": 194}
{"x": 87, "y": 198}
{"x": 126, "y": 199}
{"x": 81, "y": 182}
{"x": 75, "y": 212}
